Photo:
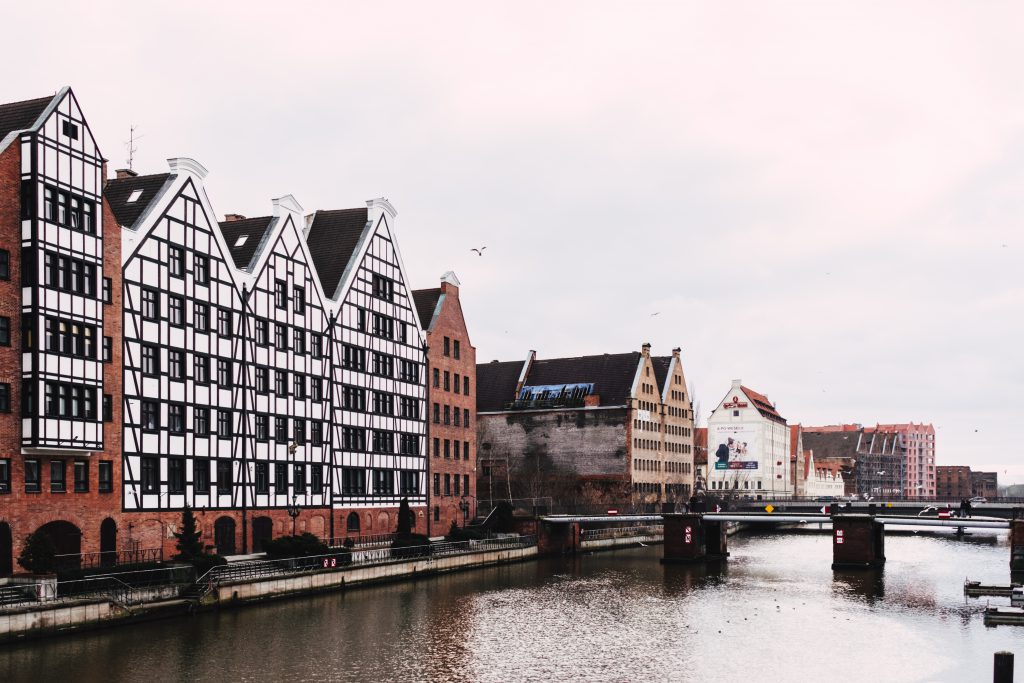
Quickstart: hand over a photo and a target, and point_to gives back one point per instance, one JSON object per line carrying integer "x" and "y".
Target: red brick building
{"x": 953, "y": 481}
{"x": 451, "y": 402}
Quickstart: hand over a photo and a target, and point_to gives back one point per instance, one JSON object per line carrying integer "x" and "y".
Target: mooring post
{"x": 1017, "y": 541}
{"x": 858, "y": 541}
{"x": 1002, "y": 668}
{"x": 684, "y": 539}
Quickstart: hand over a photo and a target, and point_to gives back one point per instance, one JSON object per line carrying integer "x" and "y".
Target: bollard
{"x": 1002, "y": 668}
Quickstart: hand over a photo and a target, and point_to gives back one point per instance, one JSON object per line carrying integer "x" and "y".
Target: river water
{"x": 774, "y": 611}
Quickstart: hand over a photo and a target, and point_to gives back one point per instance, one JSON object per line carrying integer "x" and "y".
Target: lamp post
{"x": 293, "y": 511}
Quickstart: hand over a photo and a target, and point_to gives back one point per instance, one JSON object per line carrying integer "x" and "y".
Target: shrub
{"x": 39, "y": 554}
{"x": 303, "y": 545}
{"x": 410, "y": 546}
{"x": 469, "y": 533}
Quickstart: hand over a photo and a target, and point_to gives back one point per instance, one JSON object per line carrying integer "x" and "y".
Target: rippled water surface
{"x": 774, "y": 611}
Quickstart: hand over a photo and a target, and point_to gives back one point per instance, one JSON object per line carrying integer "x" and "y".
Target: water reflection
{"x": 859, "y": 584}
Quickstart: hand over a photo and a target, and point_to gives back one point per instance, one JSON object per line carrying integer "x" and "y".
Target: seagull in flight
{"x": 480, "y": 251}
{"x": 654, "y": 314}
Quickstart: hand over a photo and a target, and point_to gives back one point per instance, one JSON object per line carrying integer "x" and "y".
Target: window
{"x": 316, "y": 435}
{"x": 281, "y": 382}
{"x": 281, "y": 337}
{"x": 108, "y": 408}
{"x": 108, "y": 349}
{"x": 106, "y": 476}
{"x": 69, "y": 129}
{"x": 262, "y": 332}
{"x": 465, "y": 455}
{"x": 28, "y": 200}
{"x": 299, "y": 430}
{"x": 280, "y": 293}
{"x": 383, "y": 403}
{"x": 408, "y": 444}
{"x": 383, "y": 364}
{"x": 299, "y": 300}
{"x": 316, "y": 388}
{"x": 409, "y": 482}
{"x": 447, "y": 449}
{"x": 447, "y": 346}
{"x": 455, "y": 449}
{"x": 68, "y": 400}
{"x": 361, "y": 319}
{"x": 281, "y": 478}
{"x": 437, "y": 378}
{"x": 5, "y": 398}
{"x": 465, "y": 484}
{"x": 201, "y": 421}
{"x": 57, "y": 472}
{"x": 69, "y": 210}
{"x": 437, "y": 413}
{"x": 316, "y": 345}
{"x": 150, "y": 475}
{"x": 224, "y": 423}
{"x": 262, "y": 427}
{"x": 69, "y": 338}
{"x": 317, "y": 483}
{"x": 201, "y": 266}
{"x": 281, "y": 429}
{"x": 28, "y": 323}
{"x": 225, "y": 373}
{"x": 403, "y": 332}
{"x": 465, "y": 385}
{"x": 176, "y": 475}
{"x": 455, "y": 349}
{"x": 447, "y": 381}
{"x": 447, "y": 415}
{"x": 298, "y": 340}
{"x": 150, "y": 304}
{"x": 5, "y": 331}
{"x": 176, "y": 364}
{"x": 5, "y": 264}
{"x": 201, "y": 475}
{"x": 383, "y": 483}
{"x": 458, "y": 420}
{"x": 465, "y": 417}
{"x": 201, "y": 317}
{"x": 263, "y": 380}
{"x": 176, "y": 310}
{"x": 408, "y": 371}
{"x": 176, "y": 418}
{"x": 69, "y": 275}
{"x": 201, "y": 368}
{"x": 108, "y": 291}
{"x": 383, "y": 442}
{"x": 262, "y": 477}
{"x": 353, "y": 438}
{"x": 458, "y": 385}
{"x": 383, "y": 288}
{"x": 437, "y": 484}
{"x": 81, "y": 476}
{"x": 353, "y": 481}
{"x": 353, "y": 358}
{"x": 383, "y": 326}
{"x": 150, "y": 415}
{"x": 437, "y": 447}
{"x": 176, "y": 259}
{"x": 225, "y": 480}
{"x": 299, "y": 479}
{"x": 409, "y": 407}
{"x": 299, "y": 386}
{"x": 224, "y": 323}
{"x": 455, "y": 485}
{"x": 31, "y": 476}
{"x": 354, "y": 398}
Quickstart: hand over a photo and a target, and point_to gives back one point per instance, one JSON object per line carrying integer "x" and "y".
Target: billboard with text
{"x": 734, "y": 447}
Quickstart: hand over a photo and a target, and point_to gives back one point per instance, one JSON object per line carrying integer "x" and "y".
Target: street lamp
{"x": 293, "y": 511}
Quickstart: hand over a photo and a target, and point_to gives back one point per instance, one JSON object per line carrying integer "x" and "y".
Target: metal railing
{"x": 112, "y": 558}
{"x": 363, "y": 541}
{"x": 123, "y": 588}
{"x": 646, "y": 531}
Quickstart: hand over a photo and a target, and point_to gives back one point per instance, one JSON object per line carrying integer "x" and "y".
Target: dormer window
{"x": 134, "y": 196}
{"x": 242, "y": 239}
{"x": 69, "y": 129}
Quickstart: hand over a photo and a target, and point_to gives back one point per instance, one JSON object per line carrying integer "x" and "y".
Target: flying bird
{"x": 480, "y": 251}
{"x": 654, "y": 314}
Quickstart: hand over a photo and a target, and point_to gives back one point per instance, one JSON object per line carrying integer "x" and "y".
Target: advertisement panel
{"x": 734, "y": 447}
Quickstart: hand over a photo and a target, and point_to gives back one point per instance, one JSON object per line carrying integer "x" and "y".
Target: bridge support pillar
{"x": 558, "y": 539}
{"x": 1017, "y": 542}
{"x": 858, "y": 541}
{"x": 691, "y": 538}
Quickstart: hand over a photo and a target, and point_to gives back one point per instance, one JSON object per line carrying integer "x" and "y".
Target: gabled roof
{"x": 332, "y": 238}
{"x": 426, "y": 303}
{"x": 831, "y": 444}
{"x": 118, "y": 191}
{"x": 611, "y": 374}
{"x": 496, "y": 384}
{"x": 763, "y": 405}
{"x": 253, "y": 230}
{"x": 661, "y": 365}
{"x": 21, "y": 115}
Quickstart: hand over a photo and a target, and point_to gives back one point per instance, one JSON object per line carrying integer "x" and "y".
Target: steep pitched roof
{"x": 831, "y": 444}
{"x": 21, "y": 115}
{"x": 763, "y": 405}
{"x": 612, "y": 374}
{"x": 332, "y": 240}
{"x": 661, "y": 365}
{"x": 118, "y": 191}
{"x": 426, "y": 303}
{"x": 496, "y": 384}
{"x": 253, "y": 230}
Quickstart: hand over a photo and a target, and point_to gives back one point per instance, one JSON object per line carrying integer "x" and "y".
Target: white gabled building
{"x": 748, "y": 446}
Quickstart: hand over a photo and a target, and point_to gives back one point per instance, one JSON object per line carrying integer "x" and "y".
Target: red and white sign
{"x": 735, "y": 403}
{"x": 839, "y": 533}
{"x": 612, "y": 511}
{"x": 825, "y": 509}
{"x": 689, "y": 538}
{"x": 839, "y": 540}
{"x": 945, "y": 513}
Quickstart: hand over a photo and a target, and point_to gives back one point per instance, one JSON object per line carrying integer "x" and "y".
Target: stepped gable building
{"x": 60, "y": 333}
{"x": 451, "y": 399}
{"x": 748, "y": 446}
{"x": 871, "y": 461}
{"x": 919, "y": 441}
{"x": 602, "y": 429}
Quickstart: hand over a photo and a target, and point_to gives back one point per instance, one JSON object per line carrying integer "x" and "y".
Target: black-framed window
{"x": 383, "y": 403}
{"x": 455, "y": 349}
{"x": 63, "y": 399}
{"x": 108, "y": 408}
{"x": 465, "y": 484}
{"x": 225, "y": 423}
{"x": 5, "y": 264}
{"x": 299, "y": 479}
{"x": 447, "y": 381}
{"x": 361, "y": 319}
{"x": 316, "y": 388}
{"x": 176, "y": 364}
{"x": 69, "y": 210}
{"x": 225, "y": 328}
{"x": 225, "y": 373}
{"x": 263, "y": 380}
{"x": 409, "y": 407}
{"x": 58, "y": 476}
{"x": 176, "y": 310}
{"x": 458, "y": 384}
{"x": 353, "y": 358}
{"x": 465, "y": 385}
{"x": 201, "y": 266}
{"x": 176, "y": 260}
{"x": 5, "y": 397}
{"x": 353, "y": 481}
{"x": 281, "y": 478}
{"x": 316, "y": 433}
{"x": 281, "y": 336}
{"x": 408, "y": 444}
{"x": 383, "y": 288}
{"x": 299, "y": 431}
{"x": 447, "y": 415}
{"x": 201, "y": 368}
{"x": 298, "y": 299}
{"x": 262, "y": 427}
{"x": 281, "y": 382}
{"x": 108, "y": 290}
{"x": 437, "y": 378}
{"x": 383, "y": 364}
{"x": 201, "y": 475}
{"x": 150, "y": 475}
{"x": 108, "y": 349}
{"x": 150, "y": 359}
{"x": 262, "y": 332}
{"x": 106, "y": 476}
{"x": 408, "y": 482}
{"x": 299, "y": 386}
{"x": 69, "y": 129}
{"x": 176, "y": 475}
{"x": 298, "y": 340}
{"x": 225, "y": 477}
{"x": 383, "y": 482}
{"x": 437, "y": 447}
{"x": 317, "y": 480}
{"x": 353, "y": 438}
{"x": 5, "y": 331}
{"x": 447, "y": 346}
{"x": 5, "y": 475}
{"x": 281, "y": 429}
{"x": 458, "y": 417}
{"x": 455, "y": 485}
{"x": 150, "y": 304}
{"x": 383, "y": 326}
{"x": 456, "y": 448}
{"x": 69, "y": 338}
{"x": 316, "y": 345}
{"x": 465, "y": 417}
{"x": 353, "y": 398}
{"x": 409, "y": 371}
{"x": 437, "y": 490}
{"x": 201, "y": 421}
{"x": 32, "y": 476}
{"x": 262, "y": 477}
{"x": 28, "y": 331}
{"x": 201, "y": 317}
{"x": 447, "y": 449}
{"x": 383, "y": 442}
{"x": 28, "y": 199}
{"x": 68, "y": 274}
{"x": 447, "y": 484}
{"x": 403, "y": 332}
{"x": 176, "y": 418}
{"x": 150, "y": 415}
{"x": 280, "y": 293}
{"x": 437, "y": 413}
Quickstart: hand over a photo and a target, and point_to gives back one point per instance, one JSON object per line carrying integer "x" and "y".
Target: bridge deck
{"x": 787, "y": 518}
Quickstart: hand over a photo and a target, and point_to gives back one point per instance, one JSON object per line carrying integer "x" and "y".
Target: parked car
{"x": 978, "y": 499}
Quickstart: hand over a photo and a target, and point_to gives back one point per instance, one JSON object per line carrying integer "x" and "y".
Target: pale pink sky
{"x": 814, "y": 196}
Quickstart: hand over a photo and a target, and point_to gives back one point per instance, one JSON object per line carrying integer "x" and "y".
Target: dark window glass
{"x": 447, "y": 346}
{"x": 299, "y": 479}
{"x": 150, "y": 475}
{"x": 299, "y": 300}
{"x": 317, "y": 481}
{"x": 201, "y": 264}
{"x": 224, "y": 323}
{"x": 408, "y": 482}
{"x": 150, "y": 415}
{"x": 225, "y": 480}
{"x": 280, "y": 294}
{"x": 108, "y": 291}
{"x": 108, "y": 408}
{"x": 316, "y": 434}
{"x": 31, "y": 476}
{"x": 201, "y": 475}
{"x": 201, "y": 369}
{"x": 353, "y": 358}
{"x": 177, "y": 261}
{"x": 262, "y": 427}
{"x": 263, "y": 380}
{"x": 201, "y": 417}
{"x": 455, "y": 348}
{"x": 150, "y": 359}
{"x": 106, "y": 476}
{"x": 108, "y": 349}
{"x": 298, "y": 340}
{"x": 176, "y": 364}
{"x": 201, "y": 316}
{"x": 176, "y": 475}
{"x": 383, "y": 482}
{"x": 176, "y": 418}
{"x": 353, "y": 481}
{"x": 5, "y": 264}
{"x": 176, "y": 310}
{"x": 281, "y": 429}
{"x": 281, "y": 478}
{"x": 150, "y": 304}
{"x": 225, "y": 373}
{"x": 57, "y": 480}
{"x": 5, "y": 398}
{"x": 281, "y": 382}
{"x": 262, "y": 332}
{"x": 224, "y": 423}
{"x": 5, "y": 331}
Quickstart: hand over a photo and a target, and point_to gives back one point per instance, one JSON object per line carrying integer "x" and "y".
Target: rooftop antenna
{"x": 130, "y": 145}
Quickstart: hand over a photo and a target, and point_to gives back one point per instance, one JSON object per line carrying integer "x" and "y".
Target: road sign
{"x": 612, "y": 511}
{"x": 824, "y": 509}
{"x": 839, "y": 540}
{"x": 769, "y": 508}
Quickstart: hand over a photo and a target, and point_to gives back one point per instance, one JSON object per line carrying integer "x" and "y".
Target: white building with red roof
{"x": 748, "y": 446}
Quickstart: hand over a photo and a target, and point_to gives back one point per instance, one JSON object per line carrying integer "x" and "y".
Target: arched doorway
{"x": 6, "y": 550}
{"x": 67, "y": 540}
{"x": 262, "y": 531}
{"x": 224, "y": 535}
{"x": 352, "y": 523}
{"x": 108, "y": 542}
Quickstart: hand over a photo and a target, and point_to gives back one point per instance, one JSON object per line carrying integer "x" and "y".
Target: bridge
{"x": 993, "y": 508}
{"x": 858, "y": 539}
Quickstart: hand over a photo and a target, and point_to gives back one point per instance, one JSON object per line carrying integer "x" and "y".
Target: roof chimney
{"x": 450, "y": 283}
{"x": 232, "y": 217}
{"x": 646, "y": 348}
{"x": 123, "y": 173}
{"x": 676, "y": 351}
{"x": 737, "y": 383}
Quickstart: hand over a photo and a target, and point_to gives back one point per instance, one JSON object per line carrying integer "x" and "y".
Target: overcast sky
{"x": 823, "y": 199}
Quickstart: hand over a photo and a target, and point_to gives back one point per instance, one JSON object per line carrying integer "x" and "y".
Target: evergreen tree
{"x": 189, "y": 538}
{"x": 39, "y": 555}
{"x": 405, "y": 518}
